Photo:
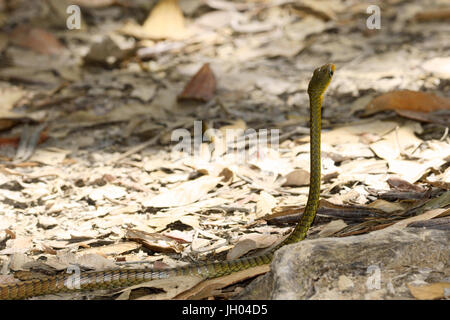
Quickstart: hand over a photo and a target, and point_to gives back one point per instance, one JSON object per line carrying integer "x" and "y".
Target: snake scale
{"x": 125, "y": 277}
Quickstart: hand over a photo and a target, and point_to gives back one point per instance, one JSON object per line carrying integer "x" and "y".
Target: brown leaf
{"x": 402, "y": 185}
{"x": 429, "y": 291}
{"x": 408, "y": 100}
{"x": 154, "y": 241}
{"x": 201, "y": 87}
{"x": 433, "y": 15}
{"x": 208, "y": 288}
{"x": 39, "y": 40}
{"x": 439, "y": 117}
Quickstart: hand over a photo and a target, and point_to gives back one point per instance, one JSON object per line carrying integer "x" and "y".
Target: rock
{"x": 378, "y": 265}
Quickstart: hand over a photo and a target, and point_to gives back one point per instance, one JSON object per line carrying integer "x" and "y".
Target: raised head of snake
{"x": 320, "y": 80}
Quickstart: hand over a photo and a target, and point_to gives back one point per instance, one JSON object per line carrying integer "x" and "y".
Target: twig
{"x": 136, "y": 149}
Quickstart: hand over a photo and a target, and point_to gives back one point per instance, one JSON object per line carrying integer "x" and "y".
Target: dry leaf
{"x": 400, "y": 141}
{"x": 166, "y": 21}
{"x": 322, "y": 9}
{"x": 208, "y": 288}
{"x": 433, "y": 15}
{"x": 332, "y": 227}
{"x": 39, "y": 40}
{"x": 412, "y": 171}
{"x": 188, "y": 192}
{"x": 107, "y": 192}
{"x": 171, "y": 287}
{"x": 386, "y": 206}
{"x": 155, "y": 241}
{"x": 95, "y": 262}
{"x": 402, "y": 185}
{"x": 201, "y": 87}
{"x": 422, "y": 217}
{"x": 50, "y": 156}
{"x": 297, "y": 178}
{"x": 438, "y": 290}
{"x": 265, "y": 204}
{"x": 251, "y": 242}
{"x": 440, "y": 66}
{"x": 112, "y": 249}
{"x": 408, "y": 100}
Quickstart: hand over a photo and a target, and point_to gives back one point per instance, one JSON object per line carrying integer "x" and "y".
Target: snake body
{"x": 125, "y": 277}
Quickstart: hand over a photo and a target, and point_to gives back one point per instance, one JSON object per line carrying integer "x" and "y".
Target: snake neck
{"x": 309, "y": 213}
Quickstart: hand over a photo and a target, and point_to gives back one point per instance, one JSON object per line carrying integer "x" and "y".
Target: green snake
{"x": 92, "y": 280}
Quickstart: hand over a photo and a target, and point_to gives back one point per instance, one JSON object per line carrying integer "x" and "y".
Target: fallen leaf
{"x": 155, "y": 241}
{"x": 440, "y": 66}
{"x": 422, "y": 217}
{"x": 430, "y": 291}
{"x": 265, "y": 204}
{"x": 107, "y": 192}
{"x": 412, "y": 171}
{"x": 332, "y": 227}
{"x": 116, "y": 248}
{"x": 321, "y": 9}
{"x": 402, "y": 185}
{"x": 386, "y": 206}
{"x": 166, "y": 21}
{"x": 433, "y": 15}
{"x": 297, "y": 178}
{"x": 95, "y": 262}
{"x": 50, "y": 156}
{"x": 39, "y": 40}
{"x": 201, "y": 87}
{"x": 408, "y": 100}
{"x": 171, "y": 287}
{"x": 183, "y": 194}
{"x": 251, "y": 242}
{"x": 208, "y": 288}
{"x": 400, "y": 141}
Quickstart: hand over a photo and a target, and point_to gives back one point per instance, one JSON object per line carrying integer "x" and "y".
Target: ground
{"x": 92, "y": 171}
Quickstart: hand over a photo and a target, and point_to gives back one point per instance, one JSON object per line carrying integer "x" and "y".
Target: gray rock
{"x": 378, "y": 265}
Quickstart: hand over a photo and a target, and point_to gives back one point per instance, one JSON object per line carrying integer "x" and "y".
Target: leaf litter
{"x": 103, "y": 187}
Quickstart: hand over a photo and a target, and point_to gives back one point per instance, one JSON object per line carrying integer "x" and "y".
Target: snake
{"x": 118, "y": 278}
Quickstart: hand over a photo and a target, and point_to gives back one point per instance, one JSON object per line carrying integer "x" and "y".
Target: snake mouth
{"x": 330, "y": 68}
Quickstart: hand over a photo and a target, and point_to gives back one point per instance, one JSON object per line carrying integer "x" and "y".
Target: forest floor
{"x": 92, "y": 170}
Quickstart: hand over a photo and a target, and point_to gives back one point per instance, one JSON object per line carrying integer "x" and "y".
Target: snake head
{"x": 321, "y": 79}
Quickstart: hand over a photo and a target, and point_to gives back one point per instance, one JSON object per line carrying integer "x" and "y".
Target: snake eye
{"x": 330, "y": 72}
